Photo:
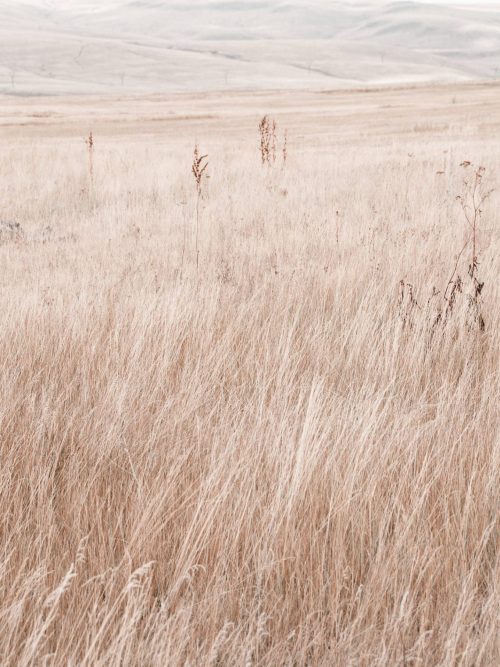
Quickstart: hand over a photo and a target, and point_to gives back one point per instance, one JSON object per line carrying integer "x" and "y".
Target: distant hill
{"x": 135, "y": 46}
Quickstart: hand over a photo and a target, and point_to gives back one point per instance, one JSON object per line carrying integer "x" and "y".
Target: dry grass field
{"x": 267, "y": 434}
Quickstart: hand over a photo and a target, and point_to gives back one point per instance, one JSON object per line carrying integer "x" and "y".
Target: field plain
{"x": 280, "y": 447}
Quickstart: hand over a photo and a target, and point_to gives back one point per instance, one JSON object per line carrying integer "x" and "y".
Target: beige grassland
{"x": 273, "y": 458}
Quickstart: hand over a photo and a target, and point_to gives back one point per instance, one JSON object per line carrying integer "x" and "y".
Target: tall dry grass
{"x": 258, "y": 462}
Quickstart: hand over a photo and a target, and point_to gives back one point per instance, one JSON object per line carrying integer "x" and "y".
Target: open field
{"x": 267, "y": 434}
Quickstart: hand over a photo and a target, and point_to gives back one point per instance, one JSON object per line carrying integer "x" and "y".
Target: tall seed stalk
{"x": 198, "y": 169}
{"x": 90, "y": 145}
{"x": 268, "y": 141}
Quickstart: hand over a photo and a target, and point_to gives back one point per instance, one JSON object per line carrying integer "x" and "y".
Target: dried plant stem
{"x": 268, "y": 140}
{"x": 453, "y": 273}
{"x": 184, "y": 236}
{"x": 198, "y": 194}
{"x": 90, "y": 144}
{"x": 198, "y": 169}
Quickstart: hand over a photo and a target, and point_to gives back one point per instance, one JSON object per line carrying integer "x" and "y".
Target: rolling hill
{"x": 138, "y": 46}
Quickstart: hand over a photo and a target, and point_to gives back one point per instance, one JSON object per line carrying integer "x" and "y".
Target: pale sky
{"x": 117, "y": 4}
{"x": 114, "y": 3}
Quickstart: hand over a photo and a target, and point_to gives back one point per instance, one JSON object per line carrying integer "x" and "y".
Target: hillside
{"x": 150, "y": 46}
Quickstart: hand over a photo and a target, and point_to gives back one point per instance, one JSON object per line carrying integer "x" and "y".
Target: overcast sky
{"x": 111, "y": 3}
{"x": 116, "y": 4}
{"x": 472, "y": 3}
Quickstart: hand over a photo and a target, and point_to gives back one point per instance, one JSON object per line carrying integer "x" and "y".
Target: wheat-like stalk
{"x": 90, "y": 145}
{"x": 268, "y": 140}
{"x": 198, "y": 169}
